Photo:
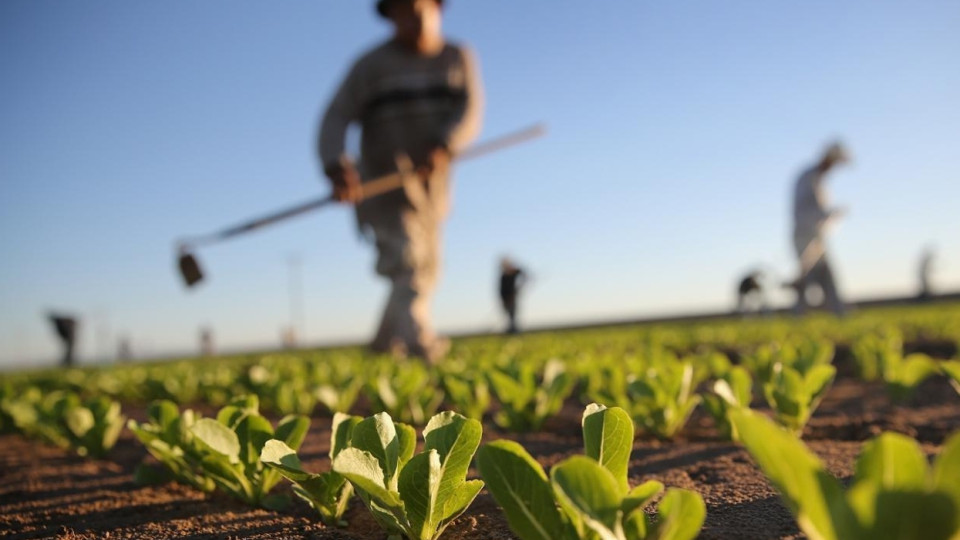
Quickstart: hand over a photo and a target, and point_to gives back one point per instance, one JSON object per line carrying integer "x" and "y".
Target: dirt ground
{"x": 49, "y": 493}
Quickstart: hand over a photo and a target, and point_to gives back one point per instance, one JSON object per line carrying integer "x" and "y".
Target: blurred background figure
{"x": 811, "y": 219}
{"x": 750, "y": 295}
{"x": 124, "y": 350}
{"x": 925, "y": 271}
{"x": 512, "y": 279}
{"x": 416, "y": 96}
{"x": 206, "y": 342}
{"x": 65, "y": 327}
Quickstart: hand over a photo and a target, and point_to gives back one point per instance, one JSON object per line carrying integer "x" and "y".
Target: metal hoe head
{"x": 189, "y": 267}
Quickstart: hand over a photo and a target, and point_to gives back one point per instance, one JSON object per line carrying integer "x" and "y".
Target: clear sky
{"x": 676, "y": 132}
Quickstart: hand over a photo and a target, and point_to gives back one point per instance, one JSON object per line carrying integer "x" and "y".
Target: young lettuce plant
{"x": 468, "y": 394}
{"x": 63, "y": 419}
{"x": 902, "y": 375}
{"x": 409, "y": 393}
{"x": 328, "y": 493}
{"x": 871, "y": 350}
{"x": 526, "y": 405}
{"x": 415, "y": 497}
{"x": 732, "y": 390}
{"x": 664, "y": 398}
{"x": 794, "y": 396}
{"x": 232, "y": 445}
{"x": 168, "y": 437}
{"x": 894, "y": 495}
{"x": 586, "y": 497}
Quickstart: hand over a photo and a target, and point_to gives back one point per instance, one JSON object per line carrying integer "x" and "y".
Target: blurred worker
{"x": 512, "y": 279}
{"x": 207, "y": 347}
{"x": 417, "y": 99}
{"x": 926, "y": 268}
{"x": 66, "y": 329}
{"x": 750, "y": 293}
{"x": 811, "y": 217}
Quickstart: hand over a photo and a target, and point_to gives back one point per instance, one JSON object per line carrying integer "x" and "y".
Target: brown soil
{"x": 49, "y": 493}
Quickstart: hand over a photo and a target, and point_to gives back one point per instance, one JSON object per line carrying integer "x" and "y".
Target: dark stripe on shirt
{"x": 444, "y": 94}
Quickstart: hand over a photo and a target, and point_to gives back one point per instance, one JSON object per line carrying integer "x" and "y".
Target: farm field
{"x": 885, "y": 369}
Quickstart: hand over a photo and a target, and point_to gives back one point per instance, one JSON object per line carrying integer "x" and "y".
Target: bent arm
{"x": 466, "y": 122}
{"x": 343, "y": 110}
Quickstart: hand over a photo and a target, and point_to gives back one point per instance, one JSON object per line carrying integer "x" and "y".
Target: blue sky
{"x": 676, "y": 131}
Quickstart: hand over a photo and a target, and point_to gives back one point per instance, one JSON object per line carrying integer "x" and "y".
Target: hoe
{"x": 191, "y": 271}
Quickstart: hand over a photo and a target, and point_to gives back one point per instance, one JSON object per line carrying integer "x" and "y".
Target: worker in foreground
{"x": 418, "y": 101}
{"x": 811, "y": 219}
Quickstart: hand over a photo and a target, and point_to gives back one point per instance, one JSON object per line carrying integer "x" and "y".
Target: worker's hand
{"x": 438, "y": 161}
{"x": 346, "y": 182}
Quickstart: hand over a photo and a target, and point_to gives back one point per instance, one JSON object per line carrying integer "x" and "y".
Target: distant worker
{"x": 124, "y": 350}
{"x": 812, "y": 217}
{"x": 926, "y": 269}
{"x": 750, "y": 295}
{"x": 207, "y": 348}
{"x": 66, "y": 329}
{"x": 417, "y": 99}
{"x": 512, "y": 279}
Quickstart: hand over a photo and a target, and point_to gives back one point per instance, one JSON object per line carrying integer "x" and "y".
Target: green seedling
{"x": 794, "y": 396}
{"x": 952, "y": 370}
{"x": 412, "y": 496}
{"x": 733, "y": 390}
{"x": 328, "y": 493}
{"x": 664, "y": 398}
{"x": 231, "y": 447}
{"x": 894, "y": 495}
{"x": 586, "y": 497}
{"x": 526, "y": 403}
{"x": 168, "y": 437}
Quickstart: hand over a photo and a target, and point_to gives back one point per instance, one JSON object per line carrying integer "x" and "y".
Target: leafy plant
{"x": 894, "y": 495}
{"x": 468, "y": 394}
{"x": 90, "y": 427}
{"x": 527, "y": 403}
{"x": 328, "y": 493}
{"x": 408, "y": 392}
{"x": 168, "y": 437}
{"x": 231, "y": 449}
{"x": 902, "y": 375}
{"x": 412, "y": 496}
{"x": 664, "y": 398}
{"x": 794, "y": 396}
{"x": 871, "y": 350}
{"x": 586, "y": 497}
{"x": 731, "y": 391}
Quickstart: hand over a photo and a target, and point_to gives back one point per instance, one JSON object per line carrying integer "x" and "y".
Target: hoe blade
{"x": 189, "y": 269}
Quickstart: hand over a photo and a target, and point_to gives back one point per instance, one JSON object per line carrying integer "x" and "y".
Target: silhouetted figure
{"x": 750, "y": 293}
{"x": 66, "y": 329}
{"x": 811, "y": 218}
{"x": 417, "y": 99}
{"x": 124, "y": 350}
{"x": 206, "y": 342}
{"x": 512, "y": 279}
{"x": 925, "y": 271}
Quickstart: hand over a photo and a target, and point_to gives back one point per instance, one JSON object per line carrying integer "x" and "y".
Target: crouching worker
{"x": 417, "y": 99}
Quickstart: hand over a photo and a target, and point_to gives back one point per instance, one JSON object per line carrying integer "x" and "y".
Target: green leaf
{"x": 520, "y": 487}
{"x": 253, "y": 431}
{"x": 459, "y": 501}
{"x": 218, "y": 438}
{"x": 608, "y": 438}
{"x": 363, "y": 470}
{"x": 341, "y": 432}
{"x": 377, "y": 435}
{"x": 946, "y": 469}
{"x": 455, "y": 438}
{"x": 900, "y": 515}
{"x": 80, "y": 420}
{"x": 815, "y": 498}
{"x": 406, "y": 443}
{"x": 591, "y": 491}
{"x": 915, "y": 369}
{"x": 292, "y": 430}
{"x": 418, "y": 485}
{"x": 681, "y": 514}
{"x": 952, "y": 370}
{"x": 892, "y": 462}
{"x": 277, "y": 454}
{"x": 640, "y": 496}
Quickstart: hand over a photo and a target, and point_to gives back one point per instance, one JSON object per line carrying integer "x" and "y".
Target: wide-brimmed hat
{"x": 382, "y": 6}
